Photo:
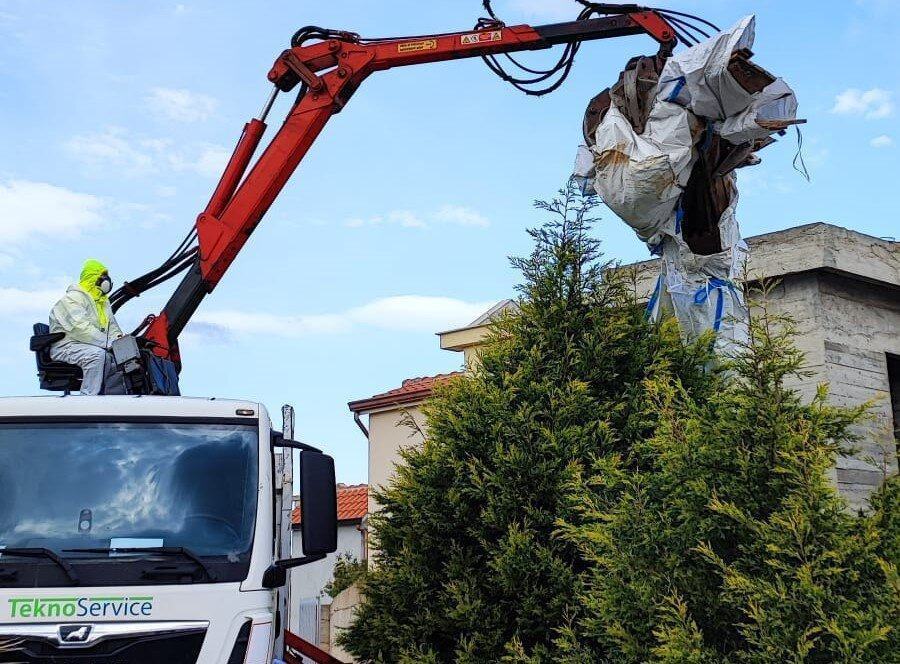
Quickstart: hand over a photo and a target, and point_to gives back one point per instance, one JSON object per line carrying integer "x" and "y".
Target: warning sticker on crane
{"x": 481, "y": 37}
{"x": 413, "y": 47}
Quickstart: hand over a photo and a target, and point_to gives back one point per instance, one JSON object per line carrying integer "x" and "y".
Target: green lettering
{"x": 14, "y": 606}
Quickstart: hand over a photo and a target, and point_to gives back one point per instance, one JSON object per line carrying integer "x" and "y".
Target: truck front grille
{"x": 103, "y": 643}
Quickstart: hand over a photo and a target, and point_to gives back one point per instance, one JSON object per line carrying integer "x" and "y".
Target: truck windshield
{"x": 128, "y": 485}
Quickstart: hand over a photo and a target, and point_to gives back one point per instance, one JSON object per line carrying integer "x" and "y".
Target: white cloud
{"x": 549, "y": 9}
{"x": 462, "y": 216}
{"x": 448, "y": 214}
{"x": 402, "y": 218}
{"x": 250, "y": 323}
{"x": 405, "y": 313}
{"x": 417, "y": 313}
{"x": 883, "y": 141}
{"x": 29, "y": 304}
{"x": 205, "y": 159}
{"x": 30, "y": 209}
{"x": 181, "y": 105}
{"x": 873, "y": 104}
{"x": 113, "y": 148}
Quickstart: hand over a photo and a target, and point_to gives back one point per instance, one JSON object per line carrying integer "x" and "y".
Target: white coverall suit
{"x": 86, "y": 343}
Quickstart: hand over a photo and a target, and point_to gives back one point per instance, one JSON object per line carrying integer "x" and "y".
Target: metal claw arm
{"x": 330, "y": 71}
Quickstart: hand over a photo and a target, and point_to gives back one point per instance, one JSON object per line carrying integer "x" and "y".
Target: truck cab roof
{"x": 129, "y": 407}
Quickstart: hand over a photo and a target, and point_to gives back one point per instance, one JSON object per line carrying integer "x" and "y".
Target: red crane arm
{"x": 331, "y": 71}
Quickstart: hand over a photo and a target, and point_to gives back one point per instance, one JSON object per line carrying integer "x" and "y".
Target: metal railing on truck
{"x": 295, "y": 647}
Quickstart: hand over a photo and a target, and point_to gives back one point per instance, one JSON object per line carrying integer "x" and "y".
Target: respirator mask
{"x": 105, "y": 284}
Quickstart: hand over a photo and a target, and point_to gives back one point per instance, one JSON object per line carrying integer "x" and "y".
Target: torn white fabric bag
{"x": 776, "y": 102}
{"x": 641, "y": 177}
{"x": 584, "y": 172}
{"x": 698, "y": 78}
{"x": 684, "y": 270}
{"x": 717, "y": 306}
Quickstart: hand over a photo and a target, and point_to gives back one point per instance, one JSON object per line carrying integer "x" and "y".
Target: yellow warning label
{"x": 481, "y": 37}
{"x": 412, "y": 47}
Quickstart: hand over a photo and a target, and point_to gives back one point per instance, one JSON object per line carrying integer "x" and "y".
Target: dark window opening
{"x": 893, "y": 366}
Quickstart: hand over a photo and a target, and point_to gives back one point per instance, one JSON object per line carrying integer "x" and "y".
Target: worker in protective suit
{"x": 86, "y": 318}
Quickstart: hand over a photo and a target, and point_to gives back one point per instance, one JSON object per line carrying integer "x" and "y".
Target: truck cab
{"x": 149, "y": 529}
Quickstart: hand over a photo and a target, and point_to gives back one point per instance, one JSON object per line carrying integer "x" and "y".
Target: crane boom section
{"x": 329, "y": 72}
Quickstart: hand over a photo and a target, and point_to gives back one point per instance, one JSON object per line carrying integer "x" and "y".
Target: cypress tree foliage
{"x": 722, "y": 539}
{"x": 472, "y": 566}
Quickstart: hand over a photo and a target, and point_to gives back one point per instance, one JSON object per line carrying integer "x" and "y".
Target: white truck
{"x": 150, "y": 529}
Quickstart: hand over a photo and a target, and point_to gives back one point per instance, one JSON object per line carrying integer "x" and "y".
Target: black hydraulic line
{"x": 555, "y": 68}
{"x": 691, "y": 30}
{"x": 520, "y": 84}
{"x": 688, "y": 27}
{"x": 185, "y": 243}
{"x": 542, "y": 76}
{"x": 684, "y": 39}
{"x": 690, "y": 16}
{"x": 490, "y": 10}
{"x": 180, "y": 267}
{"x": 166, "y": 271}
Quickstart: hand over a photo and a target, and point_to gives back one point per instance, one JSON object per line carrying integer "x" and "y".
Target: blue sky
{"x": 115, "y": 118}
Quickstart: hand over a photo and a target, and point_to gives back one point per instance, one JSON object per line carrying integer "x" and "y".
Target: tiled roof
{"x": 410, "y": 391}
{"x": 352, "y": 503}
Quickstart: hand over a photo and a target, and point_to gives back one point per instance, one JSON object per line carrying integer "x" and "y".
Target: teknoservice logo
{"x": 80, "y": 607}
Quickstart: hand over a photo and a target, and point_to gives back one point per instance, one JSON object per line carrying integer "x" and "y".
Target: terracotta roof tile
{"x": 352, "y": 503}
{"x": 410, "y": 391}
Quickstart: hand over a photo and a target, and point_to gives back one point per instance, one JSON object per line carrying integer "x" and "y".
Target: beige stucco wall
{"x": 388, "y": 434}
{"x": 468, "y": 340}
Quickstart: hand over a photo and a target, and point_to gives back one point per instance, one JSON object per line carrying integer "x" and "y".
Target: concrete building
{"x": 841, "y": 287}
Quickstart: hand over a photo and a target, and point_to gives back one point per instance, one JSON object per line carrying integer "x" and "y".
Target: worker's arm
{"x": 114, "y": 330}
{"x": 78, "y": 322}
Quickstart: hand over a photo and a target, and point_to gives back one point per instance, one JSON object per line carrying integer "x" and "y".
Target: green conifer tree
{"x": 472, "y": 567}
{"x": 597, "y": 491}
{"x": 724, "y": 540}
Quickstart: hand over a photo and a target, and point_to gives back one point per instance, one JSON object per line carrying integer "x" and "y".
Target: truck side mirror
{"x": 318, "y": 503}
{"x": 318, "y": 509}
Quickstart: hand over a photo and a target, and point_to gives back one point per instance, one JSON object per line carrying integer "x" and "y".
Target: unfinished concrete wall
{"x": 861, "y": 327}
{"x": 798, "y": 296}
{"x": 846, "y": 328}
{"x": 843, "y": 290}
{"x": 341, "y": 615}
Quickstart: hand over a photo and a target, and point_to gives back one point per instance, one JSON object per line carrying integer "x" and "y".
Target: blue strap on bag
{"x": 719, "y": 286}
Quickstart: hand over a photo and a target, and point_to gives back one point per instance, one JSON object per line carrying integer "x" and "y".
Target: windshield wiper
{"x": 49, "y": 554}
{"x": 161, "y": 550}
